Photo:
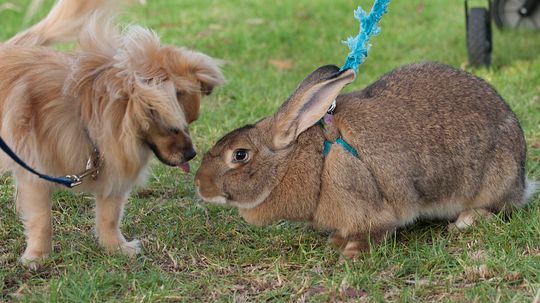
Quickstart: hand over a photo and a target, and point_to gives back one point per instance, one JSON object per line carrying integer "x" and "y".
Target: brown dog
{"x": 121, "y": 93}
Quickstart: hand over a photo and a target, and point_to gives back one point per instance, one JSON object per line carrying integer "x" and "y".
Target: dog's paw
{"x": 33, "y": 261}
{"x": 131, "y": 249}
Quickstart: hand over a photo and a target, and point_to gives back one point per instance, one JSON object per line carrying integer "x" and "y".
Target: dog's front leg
{"x": 108, "y": 216}
{"x": 33, "y": 204}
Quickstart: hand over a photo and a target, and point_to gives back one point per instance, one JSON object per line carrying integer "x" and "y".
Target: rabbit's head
{"x": 245, "y": 165}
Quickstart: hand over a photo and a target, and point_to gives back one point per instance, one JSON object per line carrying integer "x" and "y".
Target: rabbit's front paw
{"x": 337, "y": 241}
{"x": 354, "y": 247}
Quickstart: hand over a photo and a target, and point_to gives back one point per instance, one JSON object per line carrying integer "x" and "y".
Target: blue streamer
{"x": 369, "y": 26}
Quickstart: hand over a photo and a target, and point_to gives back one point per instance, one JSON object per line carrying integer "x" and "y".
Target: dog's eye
{"x": 240, "y": 155}
{"x": 174, "y": 130}
{"x": 179, "y": 95}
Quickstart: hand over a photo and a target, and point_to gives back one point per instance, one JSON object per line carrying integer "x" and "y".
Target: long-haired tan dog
{"x": 122, "y": 93}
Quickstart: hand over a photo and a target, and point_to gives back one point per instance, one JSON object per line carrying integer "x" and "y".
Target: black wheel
{"x": 517, "y": 13}
{"x": 479, "y": 37}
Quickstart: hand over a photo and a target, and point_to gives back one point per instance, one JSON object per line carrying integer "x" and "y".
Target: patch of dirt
{"x": 282, "y": 64}
{"x": 15, "y": 283}
{"x": 476, "y": 273}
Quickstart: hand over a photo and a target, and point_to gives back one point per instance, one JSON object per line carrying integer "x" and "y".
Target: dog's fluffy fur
{"x": 122, "y": 92}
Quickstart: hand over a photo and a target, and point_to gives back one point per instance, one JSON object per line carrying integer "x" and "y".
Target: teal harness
{"x": 327, "y": 120}
{"x": 328, "y": 145}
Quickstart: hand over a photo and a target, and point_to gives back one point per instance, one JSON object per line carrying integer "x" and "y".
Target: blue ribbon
{"x": 369, "y": 26}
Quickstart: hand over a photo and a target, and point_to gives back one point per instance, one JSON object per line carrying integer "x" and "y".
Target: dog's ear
{"x": 188, "y": 63}
{"x": 207, "y": 72}
{"x": 139, "y": 54}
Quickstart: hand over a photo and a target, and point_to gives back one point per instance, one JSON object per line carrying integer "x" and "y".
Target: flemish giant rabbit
{"x": 432, "y": 142}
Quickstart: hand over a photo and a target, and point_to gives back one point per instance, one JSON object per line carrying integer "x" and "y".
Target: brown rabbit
{"x": 432, "y": 142}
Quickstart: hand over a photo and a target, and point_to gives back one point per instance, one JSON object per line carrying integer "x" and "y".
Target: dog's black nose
{"x": 189, "y": 154}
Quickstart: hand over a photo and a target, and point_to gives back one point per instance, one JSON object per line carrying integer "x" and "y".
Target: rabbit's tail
{"x": 529, "y": 191}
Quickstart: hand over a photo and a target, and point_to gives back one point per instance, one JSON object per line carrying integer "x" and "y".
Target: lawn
{"x": 197, "y": 252}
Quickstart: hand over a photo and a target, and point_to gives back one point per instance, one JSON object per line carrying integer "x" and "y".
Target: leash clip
{"x": 94, "y": 164}
{"x": 75, "y": 180}
{"x": 92, "y": 169}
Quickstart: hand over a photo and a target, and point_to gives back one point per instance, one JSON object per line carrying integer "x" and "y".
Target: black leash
{"x": 69, "y": 181}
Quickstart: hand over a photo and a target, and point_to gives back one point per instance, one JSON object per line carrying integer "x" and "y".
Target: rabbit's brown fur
{"x": 433, "y": 142}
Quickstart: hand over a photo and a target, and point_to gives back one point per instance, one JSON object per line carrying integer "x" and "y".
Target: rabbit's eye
{"x": 240, "y": 155}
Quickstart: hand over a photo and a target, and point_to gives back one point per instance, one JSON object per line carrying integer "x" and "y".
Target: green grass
{"x": 197, "y": 252}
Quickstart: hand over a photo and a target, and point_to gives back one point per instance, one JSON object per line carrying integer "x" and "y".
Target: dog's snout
{"x": 189, "y": 154}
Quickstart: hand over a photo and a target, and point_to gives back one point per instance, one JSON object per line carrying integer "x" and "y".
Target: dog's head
{"x": 166, "y": 95}
{"x": 159, "y": 89}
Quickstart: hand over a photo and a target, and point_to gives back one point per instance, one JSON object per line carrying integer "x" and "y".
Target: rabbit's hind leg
{"x": 503, "y": 189}
{"x": 467, "y": 218}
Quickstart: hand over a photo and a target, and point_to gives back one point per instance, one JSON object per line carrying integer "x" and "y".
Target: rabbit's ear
{"x": 308, "y": 103}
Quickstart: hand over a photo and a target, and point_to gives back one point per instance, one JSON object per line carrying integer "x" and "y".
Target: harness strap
{"x": 328, "y": 120}
{"x": 346, "y": 146}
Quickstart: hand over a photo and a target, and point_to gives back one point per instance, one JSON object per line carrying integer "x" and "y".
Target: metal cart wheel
{"x": 479, "y": 40}
{"x": 517, "y": 13}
